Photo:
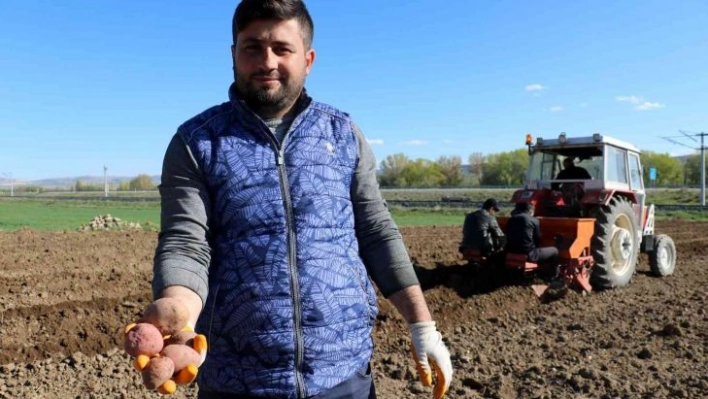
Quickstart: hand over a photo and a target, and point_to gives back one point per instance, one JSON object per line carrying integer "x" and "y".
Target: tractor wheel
{"x": 662, "y": 259}
{"x": 614, "y": 246}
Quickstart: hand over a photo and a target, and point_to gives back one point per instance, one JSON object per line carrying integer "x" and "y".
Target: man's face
{"x": 271, "y": 64}
{"x": 567, "y": 163}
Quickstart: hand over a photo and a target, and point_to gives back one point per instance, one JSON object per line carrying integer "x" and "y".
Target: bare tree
{"x": 476, "y": 160}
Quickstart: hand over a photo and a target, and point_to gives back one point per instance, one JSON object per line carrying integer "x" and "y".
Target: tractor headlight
{"x": 562, "y": 139}
{"x": 596, "y": 137}
{"x": 539, "y": 141}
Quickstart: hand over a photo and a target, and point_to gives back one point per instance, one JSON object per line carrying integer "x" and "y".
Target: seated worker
{"x": 523, "y": 233}
{"x": 481, "y": 230}
{"x": 571, "y": 172}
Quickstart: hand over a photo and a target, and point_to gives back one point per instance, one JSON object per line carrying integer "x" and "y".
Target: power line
{"x": 671, "y": 139}
{"x": 702, "y": 149}
{"x": 689, "y": 135}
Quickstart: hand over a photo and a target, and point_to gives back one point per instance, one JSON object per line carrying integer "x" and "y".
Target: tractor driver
{"x": 571, "y": 172}
{"x": 523, "y": 233}
{"x": 481, "y": 230}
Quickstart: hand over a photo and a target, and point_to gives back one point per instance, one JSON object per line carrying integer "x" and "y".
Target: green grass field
{"x": 40, "y": 214}
{"x": 70, "y": 215}
{"x": 47, "y": 214}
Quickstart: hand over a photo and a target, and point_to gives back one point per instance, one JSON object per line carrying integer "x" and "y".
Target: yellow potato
{"x": 169, "y": 315}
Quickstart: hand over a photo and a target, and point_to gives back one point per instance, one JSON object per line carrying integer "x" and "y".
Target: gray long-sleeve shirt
{"x": 183, "y": 253}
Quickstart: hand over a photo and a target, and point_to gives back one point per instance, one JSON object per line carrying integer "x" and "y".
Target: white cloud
{"x": 448, "y": 141}
{"x": 535, "y": 87}
{"x": 639, "y": 103}
{"x": 646, "y": 106}
{"x": 375, "y": 141}
{"x": 556, "y": 108}
{"x": 629, "y": 99}
{"x": 416, "y": 142}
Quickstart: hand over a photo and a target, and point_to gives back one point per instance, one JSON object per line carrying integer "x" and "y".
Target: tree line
{"x": 141, "y": 182}
{"x": 509, "y": 169}
{"x": 499, "y": 169}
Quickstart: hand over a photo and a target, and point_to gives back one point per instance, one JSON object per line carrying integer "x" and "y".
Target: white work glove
{"x": 430, "y": 353}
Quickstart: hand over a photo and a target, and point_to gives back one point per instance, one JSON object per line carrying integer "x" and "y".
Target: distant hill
{"x": 66, "y": 182}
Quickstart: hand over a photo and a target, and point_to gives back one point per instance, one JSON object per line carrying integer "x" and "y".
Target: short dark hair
{"x": 490, "y": 203}
{"x": 522, "y": 207}
{"x": 249, "y": 11}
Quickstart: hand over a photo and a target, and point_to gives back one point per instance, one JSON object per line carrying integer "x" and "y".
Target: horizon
{"x": 90, "y": 84}
{"x": 5, "y": 181}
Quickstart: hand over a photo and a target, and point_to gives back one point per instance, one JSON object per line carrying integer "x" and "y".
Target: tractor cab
{"x": 572, "y": 176}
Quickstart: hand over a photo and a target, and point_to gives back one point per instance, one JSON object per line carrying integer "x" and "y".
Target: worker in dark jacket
{"x": 571, "y": 172}
{"x": 481, "y": 230}
{"x": 523, "y": 233}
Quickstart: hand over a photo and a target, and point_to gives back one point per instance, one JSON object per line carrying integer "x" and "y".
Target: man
{"x": 272, "y": 224}
{"x": 481, "y": 231}
{"x": 523, "y": 234}
{"x": 571, "y": 172}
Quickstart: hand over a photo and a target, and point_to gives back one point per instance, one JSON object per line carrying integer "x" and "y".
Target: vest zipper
{"x": 292, "y": 250}
{"x": 292, "y": 268}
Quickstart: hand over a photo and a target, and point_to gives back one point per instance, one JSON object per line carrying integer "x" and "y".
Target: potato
{"x": 157, "y": 372}
{"x": 182, "y": 338}
{"x": 143, "y": 339}
{"x": 181, "y": 355}
{"x": 169, "y": 315}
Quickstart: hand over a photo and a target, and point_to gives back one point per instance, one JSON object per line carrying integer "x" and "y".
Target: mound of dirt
{"x": 108, "y": 222}
{"x": 67, "y": 296}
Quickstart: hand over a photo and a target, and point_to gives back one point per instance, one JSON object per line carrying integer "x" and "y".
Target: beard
{"x": 268, "y": 101}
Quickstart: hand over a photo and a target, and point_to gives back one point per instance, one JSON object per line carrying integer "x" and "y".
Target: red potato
{"x": 143, "y": 339}
{"x": 182, "y": 338}
{"x": 157, "y": 372}
{"x": 181, "y": 355}
{"x": 169, "y": 315}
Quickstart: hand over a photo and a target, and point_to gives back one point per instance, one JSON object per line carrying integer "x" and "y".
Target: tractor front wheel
{"x": 662, "y": 259}
{"x": 615, "y": 246}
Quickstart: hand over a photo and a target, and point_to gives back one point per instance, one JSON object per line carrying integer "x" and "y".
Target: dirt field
{"x": 66, "y": 297}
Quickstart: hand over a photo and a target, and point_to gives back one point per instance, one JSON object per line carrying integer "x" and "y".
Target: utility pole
{"x": 105, "y": 181}
{"x": 702, "y": 149}
{"x": 703, "y": 171}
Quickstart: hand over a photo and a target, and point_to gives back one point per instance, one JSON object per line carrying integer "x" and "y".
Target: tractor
{"x": 601, "y": 222}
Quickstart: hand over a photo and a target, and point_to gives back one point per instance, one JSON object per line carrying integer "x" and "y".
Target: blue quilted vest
{"x": 290, "y": 308}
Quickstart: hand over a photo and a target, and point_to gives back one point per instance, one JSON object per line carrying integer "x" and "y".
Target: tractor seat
{"x": 520, "y": 262}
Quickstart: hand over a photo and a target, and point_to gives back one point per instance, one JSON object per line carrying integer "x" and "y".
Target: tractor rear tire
{"x": 615, "y": 247}
{"x": 662, "y": 259}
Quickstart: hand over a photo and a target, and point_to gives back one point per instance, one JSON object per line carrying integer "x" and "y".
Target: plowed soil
{"x": 67, "y": 296}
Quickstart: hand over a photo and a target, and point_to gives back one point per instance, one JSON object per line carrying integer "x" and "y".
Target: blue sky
{"x": 87, "y": 83}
